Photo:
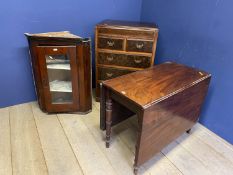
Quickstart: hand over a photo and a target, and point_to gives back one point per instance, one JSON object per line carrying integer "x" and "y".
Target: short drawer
{"x": 139, "y": 46}
{"x": 110, "y": 43}
{"x": 109, "y": 73}
{"x": 124, "y": 60}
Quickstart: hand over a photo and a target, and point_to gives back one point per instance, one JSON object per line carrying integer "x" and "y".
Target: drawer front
{"x": 124, "y": 60}
{"x": 139, "y": 46}
{"x": 110, "y": 43}
{"x": 109, "y": 73}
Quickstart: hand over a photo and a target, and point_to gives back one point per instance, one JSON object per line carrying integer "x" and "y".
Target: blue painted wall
{"x": 18, "y": 17}
{"x": 200, "y": 34}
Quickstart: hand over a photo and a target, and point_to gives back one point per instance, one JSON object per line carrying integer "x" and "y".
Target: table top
{"x": 155, "y": 84}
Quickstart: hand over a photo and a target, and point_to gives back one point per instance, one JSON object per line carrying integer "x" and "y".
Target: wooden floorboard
{"x": 5, "y": 145}
{"x": 184, "y": 160}
{"x": 88, "y": 153}
{"x": 58, "y": 153}
{"x": 120, "y": 157}
{"x": 163, "y": 165}
{"x": 32, "y": 142}
{"x": 206, "y": 154}
{"x": 214, "y": 141}
{"x": 27, "y": 154}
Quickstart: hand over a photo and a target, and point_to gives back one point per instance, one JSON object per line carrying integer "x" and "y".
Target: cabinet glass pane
{"x": 59, "y": 75}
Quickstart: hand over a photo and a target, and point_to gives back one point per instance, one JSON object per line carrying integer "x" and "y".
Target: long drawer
{"x": 124, "y": 60}
{"x": 109, "y": 73}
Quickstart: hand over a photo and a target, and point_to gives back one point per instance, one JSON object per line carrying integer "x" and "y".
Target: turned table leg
{"x": 135, "y": 170}
{"x": 108, "y": 120}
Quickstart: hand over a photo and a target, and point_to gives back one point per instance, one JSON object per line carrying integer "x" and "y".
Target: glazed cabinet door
{"x": 59, "y": 77}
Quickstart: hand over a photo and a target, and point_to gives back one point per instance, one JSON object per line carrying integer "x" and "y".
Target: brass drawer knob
{"x": 137, "y": 61}
{"x": 110, "y": 43}
{"x": 109, "y": 58}
{"x": 139, "y": 46}
{"x": 109, "y": 75}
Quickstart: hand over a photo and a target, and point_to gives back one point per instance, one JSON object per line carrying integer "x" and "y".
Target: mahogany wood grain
{"x": 78, "y": 50}
{"x": 167, "y": 100}
{"x": 164, "y": 122}
{"x": 85, "y": 78}
{"x": 71, "y": 52}
{"x": 157, "y": 83}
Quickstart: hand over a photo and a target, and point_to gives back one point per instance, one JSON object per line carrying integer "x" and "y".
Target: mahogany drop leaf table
{"x": 166, "y": 98}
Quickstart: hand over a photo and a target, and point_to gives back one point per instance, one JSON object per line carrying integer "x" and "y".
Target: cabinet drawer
{"x": 110, "y": 43}
{"x": 124, "y": 60}
{"x": 139, "y": 46}
{"x": 108, "y": 73}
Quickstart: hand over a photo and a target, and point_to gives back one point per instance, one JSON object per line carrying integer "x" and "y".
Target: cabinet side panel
{"x": 97, "y": 92}
{"x": 167, "y": 120}
{"x": 84, "y": 70}
{"x": 37, "y": 75}
{"x": 154, "y": 47}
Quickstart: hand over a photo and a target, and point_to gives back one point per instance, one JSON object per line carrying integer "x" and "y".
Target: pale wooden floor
{"x": 33, "y": 143}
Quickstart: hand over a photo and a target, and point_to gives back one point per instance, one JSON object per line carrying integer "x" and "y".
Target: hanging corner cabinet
{"x": 61, "y": 65}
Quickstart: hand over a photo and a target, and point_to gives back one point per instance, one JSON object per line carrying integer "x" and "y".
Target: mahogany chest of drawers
{"x": 123, "y": 47}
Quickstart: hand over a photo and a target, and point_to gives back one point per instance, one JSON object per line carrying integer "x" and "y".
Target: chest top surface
{"x": 157, "y": 83}
{"x": 127, "y": 24}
